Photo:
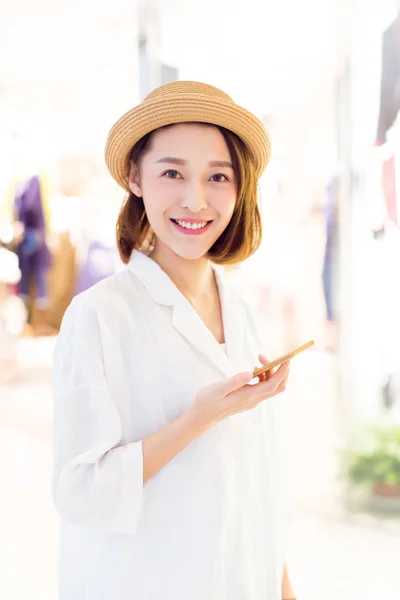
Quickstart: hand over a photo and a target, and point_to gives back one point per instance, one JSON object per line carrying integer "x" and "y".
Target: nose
{"x": 194, "y": 197}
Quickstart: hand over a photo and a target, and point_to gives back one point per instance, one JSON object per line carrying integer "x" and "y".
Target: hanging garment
{"x": 390, "y": 81}
{"x": 33, "y": 253}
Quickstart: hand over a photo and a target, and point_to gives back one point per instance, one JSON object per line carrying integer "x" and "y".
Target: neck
{"x": 193, "y": 278}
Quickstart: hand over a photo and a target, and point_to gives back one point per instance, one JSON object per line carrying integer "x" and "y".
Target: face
{"x": 188, "y": 188}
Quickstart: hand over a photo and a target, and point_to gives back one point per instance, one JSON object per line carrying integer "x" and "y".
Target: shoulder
{"x": 110, "y": 289}
{"x": 98, "y": 317}
{"x": 103, "y": 301}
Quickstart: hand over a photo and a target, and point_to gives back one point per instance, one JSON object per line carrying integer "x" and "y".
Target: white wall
{"x": 264, "y": 53}
{"x": 71, "y": 68}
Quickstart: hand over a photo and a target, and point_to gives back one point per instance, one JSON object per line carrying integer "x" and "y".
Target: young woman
{"x": 165, "y": 468}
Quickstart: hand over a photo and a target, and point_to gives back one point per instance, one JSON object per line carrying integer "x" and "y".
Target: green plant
{"x": 374, "y": 456}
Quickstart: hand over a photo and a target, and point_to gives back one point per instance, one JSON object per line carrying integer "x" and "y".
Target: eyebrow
{"x": 180, "y": 161}
{"x": 221, "y": 163}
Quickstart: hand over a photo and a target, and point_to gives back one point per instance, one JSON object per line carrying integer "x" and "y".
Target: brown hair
{"x": 238, "y": 241}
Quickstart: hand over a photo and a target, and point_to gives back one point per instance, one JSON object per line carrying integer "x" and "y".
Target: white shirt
{"x": 131, "y": 356}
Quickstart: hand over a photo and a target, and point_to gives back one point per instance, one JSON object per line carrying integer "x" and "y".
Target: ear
{"x": 134, "y": 180}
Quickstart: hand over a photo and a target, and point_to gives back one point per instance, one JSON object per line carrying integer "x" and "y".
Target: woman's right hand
{"x": 224, "y": 399}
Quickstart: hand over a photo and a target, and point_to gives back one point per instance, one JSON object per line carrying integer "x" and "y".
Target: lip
{"x": 191, "y": 231}
{"x": 189, "y": 219}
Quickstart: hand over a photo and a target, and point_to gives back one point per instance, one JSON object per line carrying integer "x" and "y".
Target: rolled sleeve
{"x": 97, "y": 481}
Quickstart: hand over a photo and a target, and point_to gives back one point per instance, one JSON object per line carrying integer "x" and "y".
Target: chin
{"x": 191, "y": 249}
{"x": 193, "y": 253}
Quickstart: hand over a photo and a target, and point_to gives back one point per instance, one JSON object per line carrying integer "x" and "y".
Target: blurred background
{"x": 324, "y": 76}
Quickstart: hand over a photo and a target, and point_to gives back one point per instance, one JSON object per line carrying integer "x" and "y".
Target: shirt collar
{"x": 185, "y": 319}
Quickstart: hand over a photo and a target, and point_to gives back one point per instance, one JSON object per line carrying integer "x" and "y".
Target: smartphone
{"x": 281, "y": 359}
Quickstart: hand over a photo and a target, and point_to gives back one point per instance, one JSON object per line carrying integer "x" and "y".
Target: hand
{"x": 268, "y": 374}
{"x": 232, "y": 396}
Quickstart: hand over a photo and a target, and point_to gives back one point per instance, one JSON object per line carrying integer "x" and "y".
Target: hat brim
{"x": 183, "y": 108}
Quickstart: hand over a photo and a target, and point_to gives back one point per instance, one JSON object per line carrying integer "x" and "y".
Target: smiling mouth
{"x": 191, "y": 226}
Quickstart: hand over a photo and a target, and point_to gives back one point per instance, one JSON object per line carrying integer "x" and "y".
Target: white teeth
{"x": 192, "y": 225}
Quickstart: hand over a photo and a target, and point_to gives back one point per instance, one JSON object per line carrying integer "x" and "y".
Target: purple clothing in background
{"x": 331, "y": 210}
{"x": 33, "y": 253}
{"x": 99, "y": 262}
{"x": 331, "y": 224}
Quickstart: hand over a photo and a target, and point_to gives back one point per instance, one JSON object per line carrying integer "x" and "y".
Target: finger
{"x": 265, "y": 376}
{"x": 282, "y": 386}
{"x": 264, "y": 361}
{"x": 271, "y": 384}
{"x": 282, "y": 375}
{"x": 282, "y": 371}
{"x": 268, "y": 374}
{"x": 223, "y": 388}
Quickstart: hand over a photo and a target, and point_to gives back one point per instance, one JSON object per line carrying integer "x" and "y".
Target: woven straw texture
{"x": 182, "y": 102}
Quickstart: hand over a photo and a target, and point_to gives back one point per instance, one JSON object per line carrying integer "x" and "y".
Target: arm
{"x": 163, "y": 445}
{"x": 97, "y": 480}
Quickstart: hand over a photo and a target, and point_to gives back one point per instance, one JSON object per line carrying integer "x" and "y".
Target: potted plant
{"x": 373, "y": 461}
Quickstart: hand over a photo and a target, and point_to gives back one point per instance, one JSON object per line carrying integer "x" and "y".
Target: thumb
{"x": 223, "y": 388}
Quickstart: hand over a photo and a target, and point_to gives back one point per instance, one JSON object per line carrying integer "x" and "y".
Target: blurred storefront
{"x": 56, "y": 108}
{"x": 371, "y": 338}
{"x": 312, "y": 72}
{"x": 57, "y": 103}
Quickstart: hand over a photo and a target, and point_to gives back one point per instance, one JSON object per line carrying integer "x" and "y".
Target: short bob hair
{"x": 238, "y": 241}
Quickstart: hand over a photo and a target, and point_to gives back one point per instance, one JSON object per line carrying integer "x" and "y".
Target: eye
{"x": 171, "y": 174}
{"x": 219, "y": 178}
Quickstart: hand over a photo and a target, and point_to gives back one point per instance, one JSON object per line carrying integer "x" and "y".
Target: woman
{"x": 164, "y": 470}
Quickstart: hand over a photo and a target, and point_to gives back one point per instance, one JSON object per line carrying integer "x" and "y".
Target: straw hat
{"x": 182, "y": 102}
